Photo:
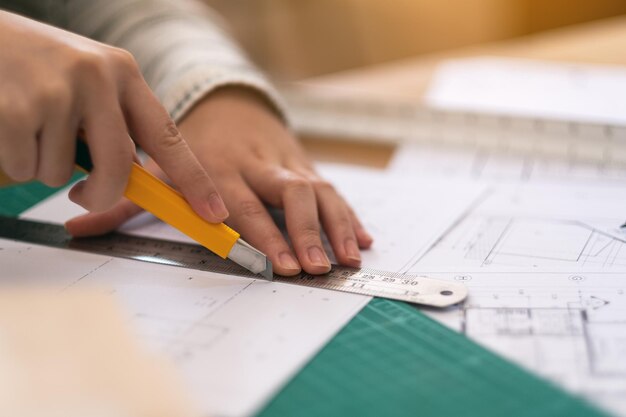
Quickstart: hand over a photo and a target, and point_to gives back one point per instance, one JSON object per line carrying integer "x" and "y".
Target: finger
{"x": 92, "y": 224}
{"x": 18, "y": 144}
{"x": 337, "y": 223}
{"x": 293, "y": 192}
{"x": 57, "y": 145}
{"x": 112, "y": 153}
{"x": 364, "y": 239}
{"x": 152, "y": 128}
{"x": 250, "y": 218}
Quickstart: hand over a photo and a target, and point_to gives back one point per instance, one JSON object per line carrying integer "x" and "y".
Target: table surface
{"x": 599, "y": 42}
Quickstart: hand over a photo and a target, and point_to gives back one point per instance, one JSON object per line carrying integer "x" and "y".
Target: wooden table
{"x": 600, "y": 42}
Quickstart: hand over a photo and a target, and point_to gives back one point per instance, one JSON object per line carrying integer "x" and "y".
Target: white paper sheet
{"x": 238, "y": 340}
{"x": 235, "y": 341}
{"x": 531, "y": 88}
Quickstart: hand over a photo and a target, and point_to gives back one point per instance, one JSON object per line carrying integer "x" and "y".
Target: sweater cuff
{"x": 187, "y": 90}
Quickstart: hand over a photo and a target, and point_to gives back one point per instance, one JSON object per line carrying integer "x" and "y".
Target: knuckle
{"x": 297, "y": 184}
{"x": 320, "y": 184}
{"x": 342, "y": 223}
{"x": 11, "y": 104}
{"x": 251, "y": 209}
{"x": 309, "y": 231}
{"x": 224, "y": 170}
{"x": 170, "y": 138}
{"x": 200, "y": 179}
{"x": 5, "y": 108}
{"x": 97, "y": 203}
{"x": 124, "y": 153}
{"x": 19, "y": 168}
{"x": 17, "y": 118}
{"x": 20, "y": 173}
{"x": 91, "y": 64}
{"x": 56, "y": 177}
{"x": 57, "y": 94}
{"x": 117, "y": 161}
{"x": 124, "y": 61}
{"x": 100, "y": 205}
{"x": 102, "y": 201}
{"x": 275, "y": 240}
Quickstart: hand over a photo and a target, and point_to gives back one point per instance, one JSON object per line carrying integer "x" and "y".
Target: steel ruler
{"x": 412, "y": 289}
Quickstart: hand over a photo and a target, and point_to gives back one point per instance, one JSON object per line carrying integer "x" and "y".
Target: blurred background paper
{"x": 72, "y": 354}
{"x": 531, "y": 88}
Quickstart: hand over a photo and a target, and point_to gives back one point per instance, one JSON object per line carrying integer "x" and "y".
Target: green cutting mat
{"x": 392, "y": 360}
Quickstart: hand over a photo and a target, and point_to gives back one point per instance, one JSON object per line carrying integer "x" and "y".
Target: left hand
{"x": 254, "y": 160}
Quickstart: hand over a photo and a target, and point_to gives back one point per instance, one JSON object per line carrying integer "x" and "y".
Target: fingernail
{"x": 364, "y": 235}
{"x": 217, "y": 206}
{"x": 318, "y": 257}
{"x": 352, "y": 250}
{"x": 288, "y": 262}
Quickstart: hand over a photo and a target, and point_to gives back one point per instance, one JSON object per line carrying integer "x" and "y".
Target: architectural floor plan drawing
{"x": 547, "y": 283}
{"x": 568, "y": 326}
{"x": 483, "y": 241}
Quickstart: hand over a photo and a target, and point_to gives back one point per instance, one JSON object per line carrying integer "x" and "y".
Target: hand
{"x": 255, "y": 161}
{"x": 55, "y": 83}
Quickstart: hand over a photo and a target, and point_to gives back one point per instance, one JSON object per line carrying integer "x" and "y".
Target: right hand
{"x": 55, "y": 83}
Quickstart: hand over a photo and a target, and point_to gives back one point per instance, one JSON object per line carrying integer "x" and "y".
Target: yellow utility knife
{"x": 158, "y": 198}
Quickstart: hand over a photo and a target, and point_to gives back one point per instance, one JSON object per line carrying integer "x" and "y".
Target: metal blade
{"x": 252, "y": 259}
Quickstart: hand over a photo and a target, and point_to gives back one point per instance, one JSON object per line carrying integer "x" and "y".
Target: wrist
{"x": 234, "y": 97}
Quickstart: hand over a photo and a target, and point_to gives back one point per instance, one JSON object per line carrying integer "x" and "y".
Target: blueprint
{"x": 545, "y": 264}
{"x": 567, "y": 326}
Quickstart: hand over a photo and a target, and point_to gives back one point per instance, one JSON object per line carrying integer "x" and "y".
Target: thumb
{"x": 98, "y": 223}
